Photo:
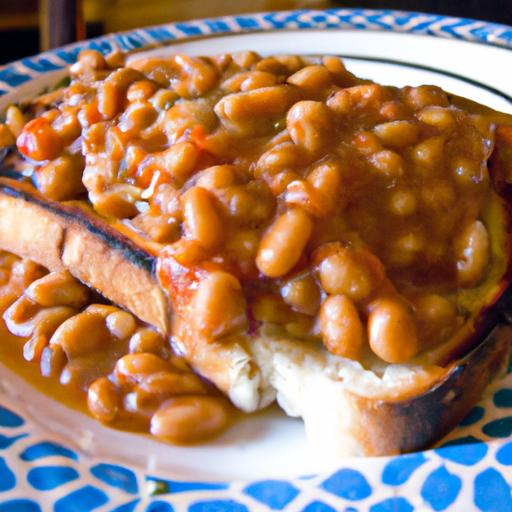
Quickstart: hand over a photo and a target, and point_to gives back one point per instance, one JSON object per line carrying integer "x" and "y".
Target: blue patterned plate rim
{"x": 495, "y": 34}
{"x": 459, "y": 474}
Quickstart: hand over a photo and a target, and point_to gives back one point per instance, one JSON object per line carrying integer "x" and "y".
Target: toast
{"x": 356, "y": 395}
{"x": 408, "y": 409}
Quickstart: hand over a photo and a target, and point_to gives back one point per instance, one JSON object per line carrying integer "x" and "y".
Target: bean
{"x": 281, "y": 181}
{"x": 309, "y": 125}
{"x": 140, "y": 90}
{"x": 121, "y": 324}
{"x": 218, "y": 307}
{"x": 103, "y": 400}
{"x": 34, "y": 347}
{"x": 437, "y": 317}
{"x": 327, "y": 179}
{"x": 163, "y": 99}
{"x": 428, "y": 155}
{"x": 61, "y": 179}
{"x": 254, "y": 111}
{"x": 136, "y": 367}
{"x": 243, "y": 245}
{"x": 110, "y": 100}
{"x": 180, "y": 160}
{"x": 302, "y": 194}
{"x": 392, "y": 331}
{"x": 67, "y": 125}
{"x": 81, "y": 335}
{"x": 117, "y": 202}
{"x": 197, "y": 76}
{"x": 102, "y": 310}
{"x": 283, "y": 243}
{"x": 146, "y": 340}
{"x": 246, "y": 58}
{"x": 423, "y": 96}
{"x": 312, "y": 79}
{"x": 302, "y": 294}
{"x": 341, "y": 327}
{"x": 39, "y": 141}
{"x": 357, "y": 97}
{"x": 14, "y": 119}
{"x": 87, "y": 61}
{"x": 346, "y": 272}
{"x": 53, "y": 360}
{"x": 201, "y": 220}
{"x": 397, "y": 134}
{"x": 18, "y": 316}
{"x": 292, "y": 63}
{"x": 367, "y": 142}
{"x": 468, "y": 171}
{"x": 268, "y": 308}
{"x": 472, "y": 254}
{"x": 188, "y": 252}
{"x": 257, "y": 80}
{"x": 438, "y": 195}
{"x": 403, "y": 202}
{"x": 6, "y": 137}
{"x": 278, "y": 158}
{"x": 338, "y": 70}
{"x": 388, "y": 163}
{"x": 217, "y": 176}
{"x": 249, "y": 204}
{"x": 58, "y": 289}
{"x": 112, "y": 91}
{"x": 271, "y": 65}
{"x": 189, "y": 418}
{"x": 161, "y": 386}
{"x": 137, "y": 117}
{"x": 406, "y": 248}
{"x": 441, "y": 118}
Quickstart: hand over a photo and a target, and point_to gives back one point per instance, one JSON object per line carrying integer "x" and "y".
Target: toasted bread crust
{"x": 59, "y": 236}
{"x": 402, "y": 426}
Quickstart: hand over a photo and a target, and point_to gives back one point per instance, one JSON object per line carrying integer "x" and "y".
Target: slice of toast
{"x": 347, "y": 409}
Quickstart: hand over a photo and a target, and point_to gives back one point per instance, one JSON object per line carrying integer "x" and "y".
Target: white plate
{"x": 391, "y": 48}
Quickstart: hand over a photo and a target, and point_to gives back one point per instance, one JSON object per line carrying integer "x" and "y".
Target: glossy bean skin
{"x": 283, "y": 243}
{"x": 309, "y": 125}
{"x": 341, "y": 327}
{"x": 392, "y": 331}
{"x": 39, "y": 141}
{"x": 202, "y": 222}
{"x": 58, "y": 289}
{"x": 189, "y": 419}
{"x": 472, "y": 252}
{"x": 121, "y": 324}
{"x": 302, "y": 294}
{"x": 218, "y": 307}
{"x": 61, "y": 179}
{"x": 81, "y": 334}
{"x": 135, "y": 367}
{"x": 103, "y": 400}
{"x": 351, "y": 273}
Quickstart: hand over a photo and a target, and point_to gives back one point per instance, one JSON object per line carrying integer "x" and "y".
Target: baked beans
{"x": 283, "y": 188}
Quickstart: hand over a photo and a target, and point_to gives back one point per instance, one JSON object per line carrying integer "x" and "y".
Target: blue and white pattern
{"x": 471, "y": 470}
{"x": 24, "y": 70}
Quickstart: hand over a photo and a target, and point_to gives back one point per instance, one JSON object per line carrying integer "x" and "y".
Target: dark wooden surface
{"x": 60, "y": 22}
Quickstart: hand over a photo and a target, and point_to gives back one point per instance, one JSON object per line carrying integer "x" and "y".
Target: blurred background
{"x": 28, "y": 26}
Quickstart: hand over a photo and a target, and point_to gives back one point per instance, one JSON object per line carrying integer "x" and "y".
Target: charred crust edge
{"x": 113, "y": 238}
